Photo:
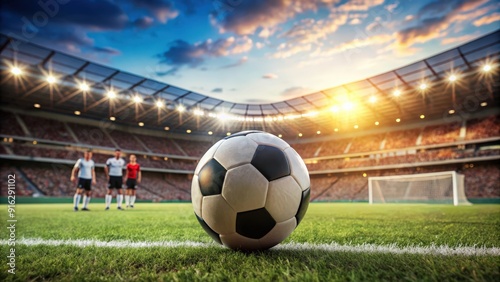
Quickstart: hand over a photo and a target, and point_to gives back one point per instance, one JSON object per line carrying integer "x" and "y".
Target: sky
{"x": 251, "y": 51}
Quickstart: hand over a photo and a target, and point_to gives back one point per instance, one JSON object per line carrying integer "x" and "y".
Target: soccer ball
{"x": 250, "y": 191}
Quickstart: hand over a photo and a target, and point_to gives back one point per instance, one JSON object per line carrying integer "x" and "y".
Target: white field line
{"x": 332, "y": 247}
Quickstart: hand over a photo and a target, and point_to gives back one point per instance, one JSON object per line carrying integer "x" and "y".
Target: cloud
{"x": 409, "y": 18}
{"x": 311, "y": 31}
{"x": 270, "y": 76}
{"x": 107, "y": 50}
{"x": 307, "y": 33}
{"x": 459, "y": 39}
{"x": 245, "y": 17}
{"x": 237, "y": 64}
{"x": 143, "y": 22}
{"x": 355, "y": 43}
{"x": 217, "y": 90}
{"x": 355, "y": 21}
{"x": 359, "y": 5}
{"x": 487, "y": 19}
{"x": 256, "y": 101}
{"x": 286, "y": 50}
{"x": 96, "y": 15}
{"x": 67, "y": 25}
{"x": 181, "y": 53}
{"x": 437, "y": 7}
{"x": 296, "y": 91}
{"x": 265, "y": 33}
{"x": 241, "y": 45}
{"x": 228, "y": 46}
{"x": 373, "y": 27}
{"x": 443, "y": 14}
{"x": 163, "y": 10}
{"x": 259, "y": 45}
{"x": 392, "y": 7}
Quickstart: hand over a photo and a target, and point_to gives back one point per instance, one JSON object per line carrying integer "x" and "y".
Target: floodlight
{"x": 16, "y": 71}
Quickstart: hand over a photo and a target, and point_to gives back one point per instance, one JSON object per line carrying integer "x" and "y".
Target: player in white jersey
{"x": 114, "y": 173}
{"x": 85, "y": 168}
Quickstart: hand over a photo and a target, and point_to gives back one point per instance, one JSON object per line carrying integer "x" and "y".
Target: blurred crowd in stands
{"x": 483, "y": 128}
{"x": 442, "y": 133}
{"x": 369, "y": 151}
{"x": 481, "y": 181}
{"x": 43, "y": 129}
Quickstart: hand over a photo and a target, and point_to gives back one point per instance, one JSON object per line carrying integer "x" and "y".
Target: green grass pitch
{"x": 352, "y": 225}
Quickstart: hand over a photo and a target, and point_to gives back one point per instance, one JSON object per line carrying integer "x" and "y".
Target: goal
{"x": 436, "y": 187}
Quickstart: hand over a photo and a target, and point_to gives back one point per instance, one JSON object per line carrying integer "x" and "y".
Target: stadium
{"x": 403, "y": 167}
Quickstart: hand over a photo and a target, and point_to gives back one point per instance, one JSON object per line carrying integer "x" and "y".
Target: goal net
{"x": 436, "y": 187}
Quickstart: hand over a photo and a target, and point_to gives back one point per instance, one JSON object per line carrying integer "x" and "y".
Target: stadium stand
{"x": 22, "y": 186}
{"x": 2, "y": 150}
{"x": 47, "y": 129}
{"x": 167, "y": 186}
{"x": 126, "y": 141}
{"x": 193, "y": 148}
{"x": 360, "y": 144}
{"x": 481, "y": 181}
{"x": 483, "y": 128}
{"x": 10, "y": 125}
{"x": 91, "y": 135}
{"x": 402, "y": 138}
{"x": 377, "y": 153}
{"x": 443, "y": 133}
{"x": 160, "y": 145}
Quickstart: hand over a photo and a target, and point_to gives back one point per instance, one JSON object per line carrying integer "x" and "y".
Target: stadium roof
{"x": 452, "y": 82}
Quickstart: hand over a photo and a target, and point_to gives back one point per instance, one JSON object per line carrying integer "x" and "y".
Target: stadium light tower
{"x": 84, "y": 87}
{"x": 348, "y": 106}
{"x": 487, "y": 68}
{"x": 137, "y": 99}
{"x": 16, "y": 71}
{"x": 51, "y": 79}
{"x": 111, "y": 94}
{"x": 181, "y": 108}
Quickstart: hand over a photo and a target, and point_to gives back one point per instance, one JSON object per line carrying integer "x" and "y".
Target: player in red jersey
{"x": 132, "y": 178}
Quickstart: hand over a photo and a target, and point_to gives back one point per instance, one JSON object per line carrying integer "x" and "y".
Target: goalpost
{"x": 435, "y": 187}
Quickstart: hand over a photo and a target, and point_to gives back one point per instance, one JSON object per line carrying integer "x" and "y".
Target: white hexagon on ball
{"x": 283, "y": 198}
{"x": 245, "y": 188}
{"x": 250, "y": 191}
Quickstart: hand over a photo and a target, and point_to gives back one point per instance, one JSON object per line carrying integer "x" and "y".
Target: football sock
{"x": 119, "y": 199}
{"x": 76, "y": 200}
{"x": 86, "y": 201}
{"x": 127, "y": 200}
{"x": 132, "y": 200}
{"x": 108, "y": 200}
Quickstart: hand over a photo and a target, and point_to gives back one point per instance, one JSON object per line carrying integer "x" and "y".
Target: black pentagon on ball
{"x": 209, "y": 230}
{"x": 254, "y": 224}
{"x": 243, "y": 133}
{"x": 304, "y": 203}
{"x": 211, "y": 178}
{"x": 271, "y": 162}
